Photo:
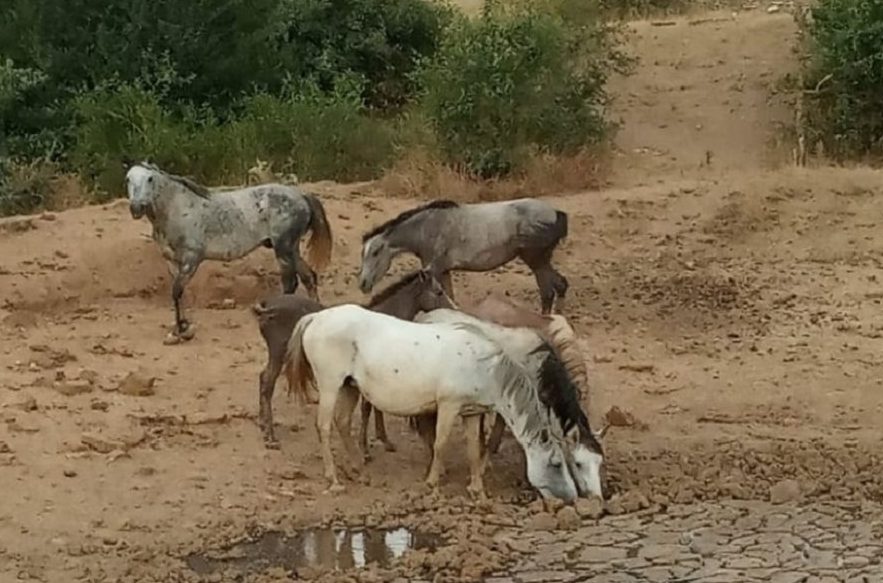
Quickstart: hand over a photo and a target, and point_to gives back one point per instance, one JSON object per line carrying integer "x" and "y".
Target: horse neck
{"x": 417, "y": 235}
{"x": 402, "y": 304}
{"x": 519, "y": 406}
{"x": 177, "y": 202}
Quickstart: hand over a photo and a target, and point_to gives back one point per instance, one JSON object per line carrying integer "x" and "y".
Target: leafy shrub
{"x": 844, "y": 76}
{"x": 206, "y": 52}
{"x": 519, "y": 78}
{"x": 314, "y": 134}
{"x": 24, "y": 187}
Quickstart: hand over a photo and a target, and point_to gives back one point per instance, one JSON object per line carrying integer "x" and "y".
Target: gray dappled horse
{"x": 447, "y": 236}
{"x": 192, "y": 223}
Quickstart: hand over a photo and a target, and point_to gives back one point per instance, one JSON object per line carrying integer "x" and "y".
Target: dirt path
{"x": 733, "y": 311}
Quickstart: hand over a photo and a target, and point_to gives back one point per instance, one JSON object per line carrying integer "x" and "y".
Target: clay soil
{"x": 728, "y": 306}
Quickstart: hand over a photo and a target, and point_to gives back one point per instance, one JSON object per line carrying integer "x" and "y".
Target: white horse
{"x": 409, "y": 369}
{"x": 557, "y": 391}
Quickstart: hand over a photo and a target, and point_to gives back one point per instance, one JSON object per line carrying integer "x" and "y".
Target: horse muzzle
{"x": 364, "y": 285}
{"x": 138, "y": 210}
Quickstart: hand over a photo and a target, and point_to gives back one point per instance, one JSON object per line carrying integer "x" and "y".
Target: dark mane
{"x": 556, "y": 387}
{"x": 191, "y": 185}
{"x": 435, "y": 204}
{"x": 393, "y": 289}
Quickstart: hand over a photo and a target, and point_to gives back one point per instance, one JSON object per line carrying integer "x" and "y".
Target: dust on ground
{"x": 729, "y": 310}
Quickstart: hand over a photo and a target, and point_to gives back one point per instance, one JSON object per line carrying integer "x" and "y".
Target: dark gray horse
{"x": 448, "y": 236}
{"x": 192, "y": 224}
{"x": 277, "y": 316}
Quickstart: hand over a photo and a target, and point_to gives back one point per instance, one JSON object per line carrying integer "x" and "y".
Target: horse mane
{"x": 393, "y": 289}
{"x": 402, "y": 217}
{"x": 558, "y": 388}
{"x": 520, "y": 388}
{"x": 188, "y": 183}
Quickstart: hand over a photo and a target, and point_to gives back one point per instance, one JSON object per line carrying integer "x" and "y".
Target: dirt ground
{"x": 727, "y": 303}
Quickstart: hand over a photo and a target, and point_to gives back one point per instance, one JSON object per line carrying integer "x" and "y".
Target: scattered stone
{"x": 568, "y": 519}
{"x": 785, "y": 491}
{"x": 4, "y": 447}
{"x": 68, "y": 473}
{"x": 73, "y": 387}
{"x": 773, "y": 9}
{"x": 228, "y": 304}
{"x": 98, "y": 443}
{"x": 542, "y": 521}
{"x": 631, "y": 501}
{"x": 590, "y": 508}
{"x": 28, "y": 404}
{"x": 856, "y": 562}
{"x": 601, "y": 554}
{"x": 137, "y": 384}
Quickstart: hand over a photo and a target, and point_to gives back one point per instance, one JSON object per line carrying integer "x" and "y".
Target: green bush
{"x": 314, "y": 134}
{"x": 520, "y": 78}
{"x": 845, "y": 76}
{"x": 206, "y": 52}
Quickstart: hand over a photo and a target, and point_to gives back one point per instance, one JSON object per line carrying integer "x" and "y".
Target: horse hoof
{"x": 389, "y": 447}
{"x": 171, "y": 339}
{"x": 189, "y": 332}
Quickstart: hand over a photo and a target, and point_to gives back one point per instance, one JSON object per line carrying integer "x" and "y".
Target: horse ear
{"x": 127, "y": 162}
{"x": 599, "y": 435}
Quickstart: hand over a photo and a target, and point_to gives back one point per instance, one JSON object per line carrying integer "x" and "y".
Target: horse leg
{"x": 561, "y": 286}
{"x": 324, "y": 419}
{"x": 474, "y": 447}
{"x": 538, "y": 262}
{"x": 426, "y": 429}
{"x": 267, "y": 387}
{"x": 493, "y": 442}
{"x": 182, "y": 271}
{"x": 363, "y": 429}
{"x": 285, "y": 257}
{"x": 447, "y": 284}
{"x": 349, "y": 398}
{"x": 444, "y": 424}
{"x": 307, "y": 275}
{"x": 380, "y": 431}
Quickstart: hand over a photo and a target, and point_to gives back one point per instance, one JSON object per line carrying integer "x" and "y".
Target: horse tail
{"x": 298, "y": 370}
{"x": 562, "y": 336}
{"x": 561, "y": 225}
{"x": 321, "y": 242}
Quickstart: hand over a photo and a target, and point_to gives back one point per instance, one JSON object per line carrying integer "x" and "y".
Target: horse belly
{"x": 399, "y": 398}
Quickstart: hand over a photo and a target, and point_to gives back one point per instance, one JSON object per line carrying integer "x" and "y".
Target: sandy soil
{"x": 731, "y": 309}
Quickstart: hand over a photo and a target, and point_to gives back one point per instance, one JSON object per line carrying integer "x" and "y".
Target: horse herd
{"x": 411, "y": 351}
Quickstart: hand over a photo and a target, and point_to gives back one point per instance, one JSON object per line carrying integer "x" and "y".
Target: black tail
{"x": 561, "y": 225}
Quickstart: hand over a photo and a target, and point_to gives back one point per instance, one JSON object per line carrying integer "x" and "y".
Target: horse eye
{"x": 150, "y": 179}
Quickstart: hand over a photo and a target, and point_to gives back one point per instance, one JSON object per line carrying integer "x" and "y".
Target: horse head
{"x": 549, "y": 468}
{"x": 142, "y": 183}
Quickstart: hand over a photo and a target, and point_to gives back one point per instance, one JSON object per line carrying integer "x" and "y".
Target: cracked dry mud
{"x": 721, "y": 542}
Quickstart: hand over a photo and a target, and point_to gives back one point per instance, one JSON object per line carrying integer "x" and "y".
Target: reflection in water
{"x": 321, "y": 547}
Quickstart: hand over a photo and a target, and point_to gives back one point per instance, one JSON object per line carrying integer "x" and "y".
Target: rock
{"x": 137, "y": 384}
{"x": 228, "y": 304}
{"x": 773, "y": 9}
{"x": 70, "y": 473}
{"x": 785, "y": 491}
{"x": 856, "y": 562}
{"x": 590, "y": 508}
{"x": 541, "y": 521}
{"x": 631, "y": 501}
{"x": 568, "y": 519}
{"x": 4, "y": 447}
{"x": 28, "y": 404}
{"x": 98, "y": 443}
{"x": 73, "y": 387}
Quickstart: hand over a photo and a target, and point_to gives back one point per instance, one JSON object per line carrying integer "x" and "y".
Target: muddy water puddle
{"x": 334, "y": 548}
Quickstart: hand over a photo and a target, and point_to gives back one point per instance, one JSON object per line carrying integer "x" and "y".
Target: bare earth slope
{"x": 733, "y": 310}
